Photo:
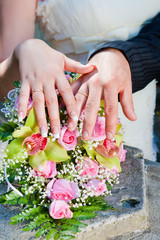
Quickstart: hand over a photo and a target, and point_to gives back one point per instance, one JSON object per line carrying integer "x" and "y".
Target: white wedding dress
{"x": 78, "y": 27}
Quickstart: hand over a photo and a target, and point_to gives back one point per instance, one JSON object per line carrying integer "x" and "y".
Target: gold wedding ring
{"x": 37, "y": 90}
{"x": 83, "y": 93}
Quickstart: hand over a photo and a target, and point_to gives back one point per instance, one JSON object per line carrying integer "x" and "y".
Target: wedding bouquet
{"x": 58, "y": 183}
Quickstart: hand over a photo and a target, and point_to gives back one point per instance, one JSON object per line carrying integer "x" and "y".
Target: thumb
{"x": 77, "y": 67}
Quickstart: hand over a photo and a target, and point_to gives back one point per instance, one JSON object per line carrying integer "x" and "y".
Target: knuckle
{"x": 66, "y": 89}
{"x": 51, "y": 101}
{"x": 41, "y": 120}
{"x": 89, "y": 106}
{"x": 78, "y": 98}
{"x": 37, "y": 101}
{"x": 54, "y": 121}
{"x": 111, "y": 110}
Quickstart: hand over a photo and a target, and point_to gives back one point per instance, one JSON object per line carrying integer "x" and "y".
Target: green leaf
{"x": 68, "y": 230}
{"x": 24, "y": 132}
{"x": 84, "y": 215}
{"x": 17, "y": 84}
{"x": 109, "y": 162}
{"x": 31, "y": 119}
{"x": 39, "y": 159}
{"x": 28, "y": 213}
{"x": 14, "y": 150}
{"x": 6, "y": 131}
{"x": 76, "y": 223}
{"x": 55, "y": 152}
{"x": 51, "y": 234}
{"x": 67, "y": 237}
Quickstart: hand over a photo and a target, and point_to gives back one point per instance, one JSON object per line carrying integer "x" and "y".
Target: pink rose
{"x": 122, "y": 153}
{"x": 68, "y": 139}
{"x": 62, "y": 189}
{"x": 29, "y": 104}
{"x": 89, "y": 167}
{"x": 109, "y": 149}
{"x": 49, "y": 171}
{"x": 96, "y": 186}
{"x": 98, "y": 133}
{"x": 35, "y": 143}
{"x": 60, "y": 209}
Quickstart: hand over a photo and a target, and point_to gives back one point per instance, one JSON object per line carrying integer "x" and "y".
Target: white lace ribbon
{"x": 9, "y": 184}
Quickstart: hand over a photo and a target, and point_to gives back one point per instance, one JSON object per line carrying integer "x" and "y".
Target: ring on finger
{"x": 37, "y": 90}
{"x": 83, "y": 93}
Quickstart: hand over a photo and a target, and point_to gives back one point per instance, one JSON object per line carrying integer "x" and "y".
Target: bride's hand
{"x": 112, "y": 78}
{"x": 42, "y": 71}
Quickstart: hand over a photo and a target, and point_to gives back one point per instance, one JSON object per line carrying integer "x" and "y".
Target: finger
{"x": 68, "y": 98}
{"x": 111, "y": 112}
{"x": 126, "y": 101}
{"x": 39, "y": 106}
{"x": 23, "y": 101}
{"x": 91, "y": 111}
{"x": 80, "y": 100}
{"x": 75, "y": 87}
{"x": 53, "y": 110}
{"x": 77, "y": 67}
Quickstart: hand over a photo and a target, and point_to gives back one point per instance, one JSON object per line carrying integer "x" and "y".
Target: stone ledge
{"x": 130, "y": 215}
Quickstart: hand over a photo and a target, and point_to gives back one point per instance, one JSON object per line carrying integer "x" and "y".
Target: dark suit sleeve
{"x": 142, "y": 53}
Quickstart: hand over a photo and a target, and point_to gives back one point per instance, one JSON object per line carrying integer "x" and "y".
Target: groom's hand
{"x": 111, "y": 78}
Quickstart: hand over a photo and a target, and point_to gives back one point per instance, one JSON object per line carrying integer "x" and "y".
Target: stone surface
{"x": 152, "y": 172}
{"x": 127, "y": 218}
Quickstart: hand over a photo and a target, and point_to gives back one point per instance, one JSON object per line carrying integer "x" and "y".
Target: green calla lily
{"x": 38, "y": 160}
{"x": 106, "y": 162}
{"x": 14, "y": 150}
{"x": 119, "y": 139}
{"x": 91, "y": 152}
{"x": 31, "y": 120}
{"x": 109, "y": 162}
{"x": 55, "y": 152}
{"x": 24, "y": 132}
{"x": 119, "y": 126}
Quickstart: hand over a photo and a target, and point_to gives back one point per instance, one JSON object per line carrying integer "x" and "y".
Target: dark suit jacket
{"x": 142, "y": 53}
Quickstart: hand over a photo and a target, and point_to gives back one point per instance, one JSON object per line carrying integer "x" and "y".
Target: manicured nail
{"x": 74, "y": 116}
{"x": 109, "y": 135}
{"x": 43, "y": 132}
{"x": 55, "y": 132}
{"x": 85, "y": 135}
{"x": 20, "y": 117}
{"x": 70, "y": 125}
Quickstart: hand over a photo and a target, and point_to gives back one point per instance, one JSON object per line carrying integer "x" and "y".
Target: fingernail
{"x": 55, "y": 132}
{"x": 134, "y": 115}
{"x": 43, "y": 132}
{"x": 94, "y": 66}
{"x": 109, "y": 135}
{"x": 85, "y": 134}
{"x": 20, "y": 117}
{"x": 74, "y": 116}
{"x": 70, "y": 125}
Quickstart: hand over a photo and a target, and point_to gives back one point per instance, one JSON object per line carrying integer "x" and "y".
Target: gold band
{"x": 85, "y": 94}
{"x": 37, "y": 90}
